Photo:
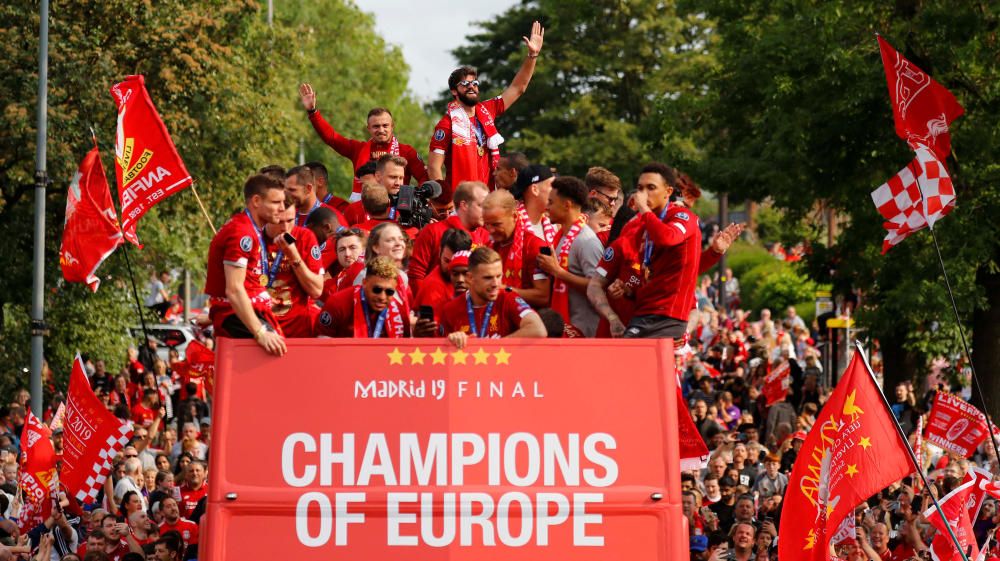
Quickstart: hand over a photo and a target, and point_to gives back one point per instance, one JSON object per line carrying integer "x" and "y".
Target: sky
{"x": 427, "y": 32}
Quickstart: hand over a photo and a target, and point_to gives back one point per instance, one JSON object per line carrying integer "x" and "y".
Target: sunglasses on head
{"x": 467, "y": 83}
{"x": 390, "y": 292}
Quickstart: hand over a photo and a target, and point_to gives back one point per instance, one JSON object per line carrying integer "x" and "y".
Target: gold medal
{"x": 263, "y": 280}
{"x": 481, "y": 151}
{"x": 645, "y": 273}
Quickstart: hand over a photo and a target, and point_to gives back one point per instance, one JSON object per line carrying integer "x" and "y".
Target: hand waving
{"x": 308, "y": 96}
{"x": 534, "y": 42}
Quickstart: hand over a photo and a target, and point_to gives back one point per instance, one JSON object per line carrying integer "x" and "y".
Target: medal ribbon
{"x": 260, "y": 241}
{"x": 648, "y": 245}
{"x": 481, "y": 333}
{"x": 379, "y": 323}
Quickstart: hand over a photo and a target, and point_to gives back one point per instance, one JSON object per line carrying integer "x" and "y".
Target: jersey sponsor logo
{"x": 315, "y": 252}
{"x": 246, "y": 243}
{"x": 439, "y": 135}
{"x": 325, "y": 318}
{"x": 609, "y": 254}
{"x": 683, "y": 216}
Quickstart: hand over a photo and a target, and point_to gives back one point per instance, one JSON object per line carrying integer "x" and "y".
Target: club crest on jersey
{"x": 325, "y": 318}
{"x": 439, "y": 135}
{"x": 683, "y": 216}
{"x": 246, "y": 243}
{"x": 315, "y": 252}
{"x": 609, "y": 254}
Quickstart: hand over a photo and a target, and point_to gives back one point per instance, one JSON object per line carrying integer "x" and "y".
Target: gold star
{"x": 502, "y": 356}
{"x": 459, "y": 357}
{"x": 865, "y": 442}
{"x": 417, "y": 357}
{"x": 438, "y": 356}
{"x": 481, "y": 356}
{"x": 852, "y": 469}
{"x": 395, "y": 357}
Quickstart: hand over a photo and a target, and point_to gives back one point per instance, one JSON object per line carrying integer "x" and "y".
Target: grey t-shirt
{"x": 584, "y": 255}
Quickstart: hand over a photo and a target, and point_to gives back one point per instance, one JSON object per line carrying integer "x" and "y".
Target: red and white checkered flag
{"x": 916, "y": 197}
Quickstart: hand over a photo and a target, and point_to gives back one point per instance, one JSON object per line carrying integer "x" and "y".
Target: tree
{"x": 797, "y": 110}
{"x": 604, "y": 65}
{"x": 225, "y": 85}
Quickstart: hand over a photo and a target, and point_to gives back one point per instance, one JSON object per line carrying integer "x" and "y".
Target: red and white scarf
{"x": 548, "y": 228}
{"x": 464, "y": 147}
{"x": 560, "y": 290}
{"x": 513, "y": 264}
{"x": 366, "y": 154}
{"x": 393, "y": 328}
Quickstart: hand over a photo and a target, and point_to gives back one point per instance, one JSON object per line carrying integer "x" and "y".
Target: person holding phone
{"x": 295, "y": 274}
{"x": 437, "y": 290}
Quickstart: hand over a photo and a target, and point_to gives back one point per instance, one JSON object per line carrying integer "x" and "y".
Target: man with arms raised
{"x": 237, "y": 259}
{"x": 466, "y": 142}
{"x": 468, "y": 216}
{"x": 370, "y": 309}
{"x": 574, "y": 257}
{"x": 518, "y": 249}
{"x": 381, "y": 140}
{"x": 487, "y": 310}
{"x": 295, "y": 275}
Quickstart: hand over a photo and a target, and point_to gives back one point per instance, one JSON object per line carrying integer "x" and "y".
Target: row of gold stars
{"x": 438, "y": 356}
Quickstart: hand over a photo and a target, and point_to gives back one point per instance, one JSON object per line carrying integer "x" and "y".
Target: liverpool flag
{"x": 146, "y": 162}
{"x": 922, "y": 108}
{"x": 90, "y": 232}
{"x": 856, "y": 432}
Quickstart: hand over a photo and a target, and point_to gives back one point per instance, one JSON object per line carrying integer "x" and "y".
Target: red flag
{"x": 201, "y": 363}
{"x": 956, "y": 512}
{"x": 694, "y": 452}
{"x": 916, "y": 197}
{"x": 37, "y": 476}
{"x": 922, "y": 108}
{"x": 146, "y": 161}
{"x": 857, "y": 432}
{"x": 777, "y": 384}
{"x": 91, "y": 230}
{"x": 955, "y": 425}
{"x": 92, "y": 437}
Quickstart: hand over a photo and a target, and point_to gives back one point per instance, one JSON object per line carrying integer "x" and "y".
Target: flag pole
{"x": 202, "y": 206}
{"x": 965, "y": 344}
{"x": 913, "y": 458}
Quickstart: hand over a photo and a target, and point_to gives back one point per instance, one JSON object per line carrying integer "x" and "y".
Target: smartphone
{"x": 917, "y": 504}
{"x": 289, "y": 239}
{"x": 426, "y": 312}
{"x": 893, "y": 506}
{"x": 545, "y": 250}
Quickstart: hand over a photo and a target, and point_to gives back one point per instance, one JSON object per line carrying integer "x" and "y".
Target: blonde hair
{"x": 500, "y": 199}
{"x": 383, "y": 267}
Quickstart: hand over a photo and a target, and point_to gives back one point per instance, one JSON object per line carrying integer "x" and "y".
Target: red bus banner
{"x": 414, "y": 450}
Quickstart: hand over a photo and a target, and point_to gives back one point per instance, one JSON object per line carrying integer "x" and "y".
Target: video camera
{"x": 413, "y": 206}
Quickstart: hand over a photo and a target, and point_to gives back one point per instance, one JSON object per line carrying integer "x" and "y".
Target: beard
{"x": 467, "y": 100}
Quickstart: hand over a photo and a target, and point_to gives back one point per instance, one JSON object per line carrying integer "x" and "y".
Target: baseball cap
{"x": 459, "y": 259}
{"x": 699, "y": 543}
{"x": 799, "y": 435}
{"x": 533, "y": 173}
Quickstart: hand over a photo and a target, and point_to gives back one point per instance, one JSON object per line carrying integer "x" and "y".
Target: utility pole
{"x": 38, "y": 327}
{"x": 723, "y": 222}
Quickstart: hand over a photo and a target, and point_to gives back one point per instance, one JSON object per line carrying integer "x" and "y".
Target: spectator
{"x": 157, "y": 297}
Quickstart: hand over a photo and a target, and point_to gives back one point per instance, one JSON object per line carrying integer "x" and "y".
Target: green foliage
{"x": 743, "y": 256}
{"x": 776, "y": 226}
{"x": 225, "y": 85}
{"x": 779, "y": 289}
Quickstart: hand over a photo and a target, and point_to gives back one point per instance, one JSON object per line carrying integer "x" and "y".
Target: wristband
{"x": 263, "y": 329}
{"x": 311, "y": 111}
{"x": 533, "y": 55}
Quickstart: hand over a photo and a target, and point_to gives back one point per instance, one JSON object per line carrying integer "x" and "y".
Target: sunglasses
{"x": 131, "y": 456}
{"x": 390, "y": 292}
{"x": 467, "y": 83}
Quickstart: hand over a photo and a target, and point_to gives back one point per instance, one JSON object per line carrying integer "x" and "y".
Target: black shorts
{"x": 656, "y": 327}
{"x": 233, "y": 327}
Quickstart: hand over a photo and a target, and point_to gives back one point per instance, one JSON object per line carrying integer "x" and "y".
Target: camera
{"x": 413, "y": 206}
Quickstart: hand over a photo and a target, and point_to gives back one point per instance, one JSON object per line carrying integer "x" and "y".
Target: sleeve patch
{"x": 315, "y": 252}
{"x": 325, "y": 318}
{"x": 609, "y": 254}
{"x": 683, "y": 216}
{"x": 246, "y": 243}
{"x": 439, "y": 135}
